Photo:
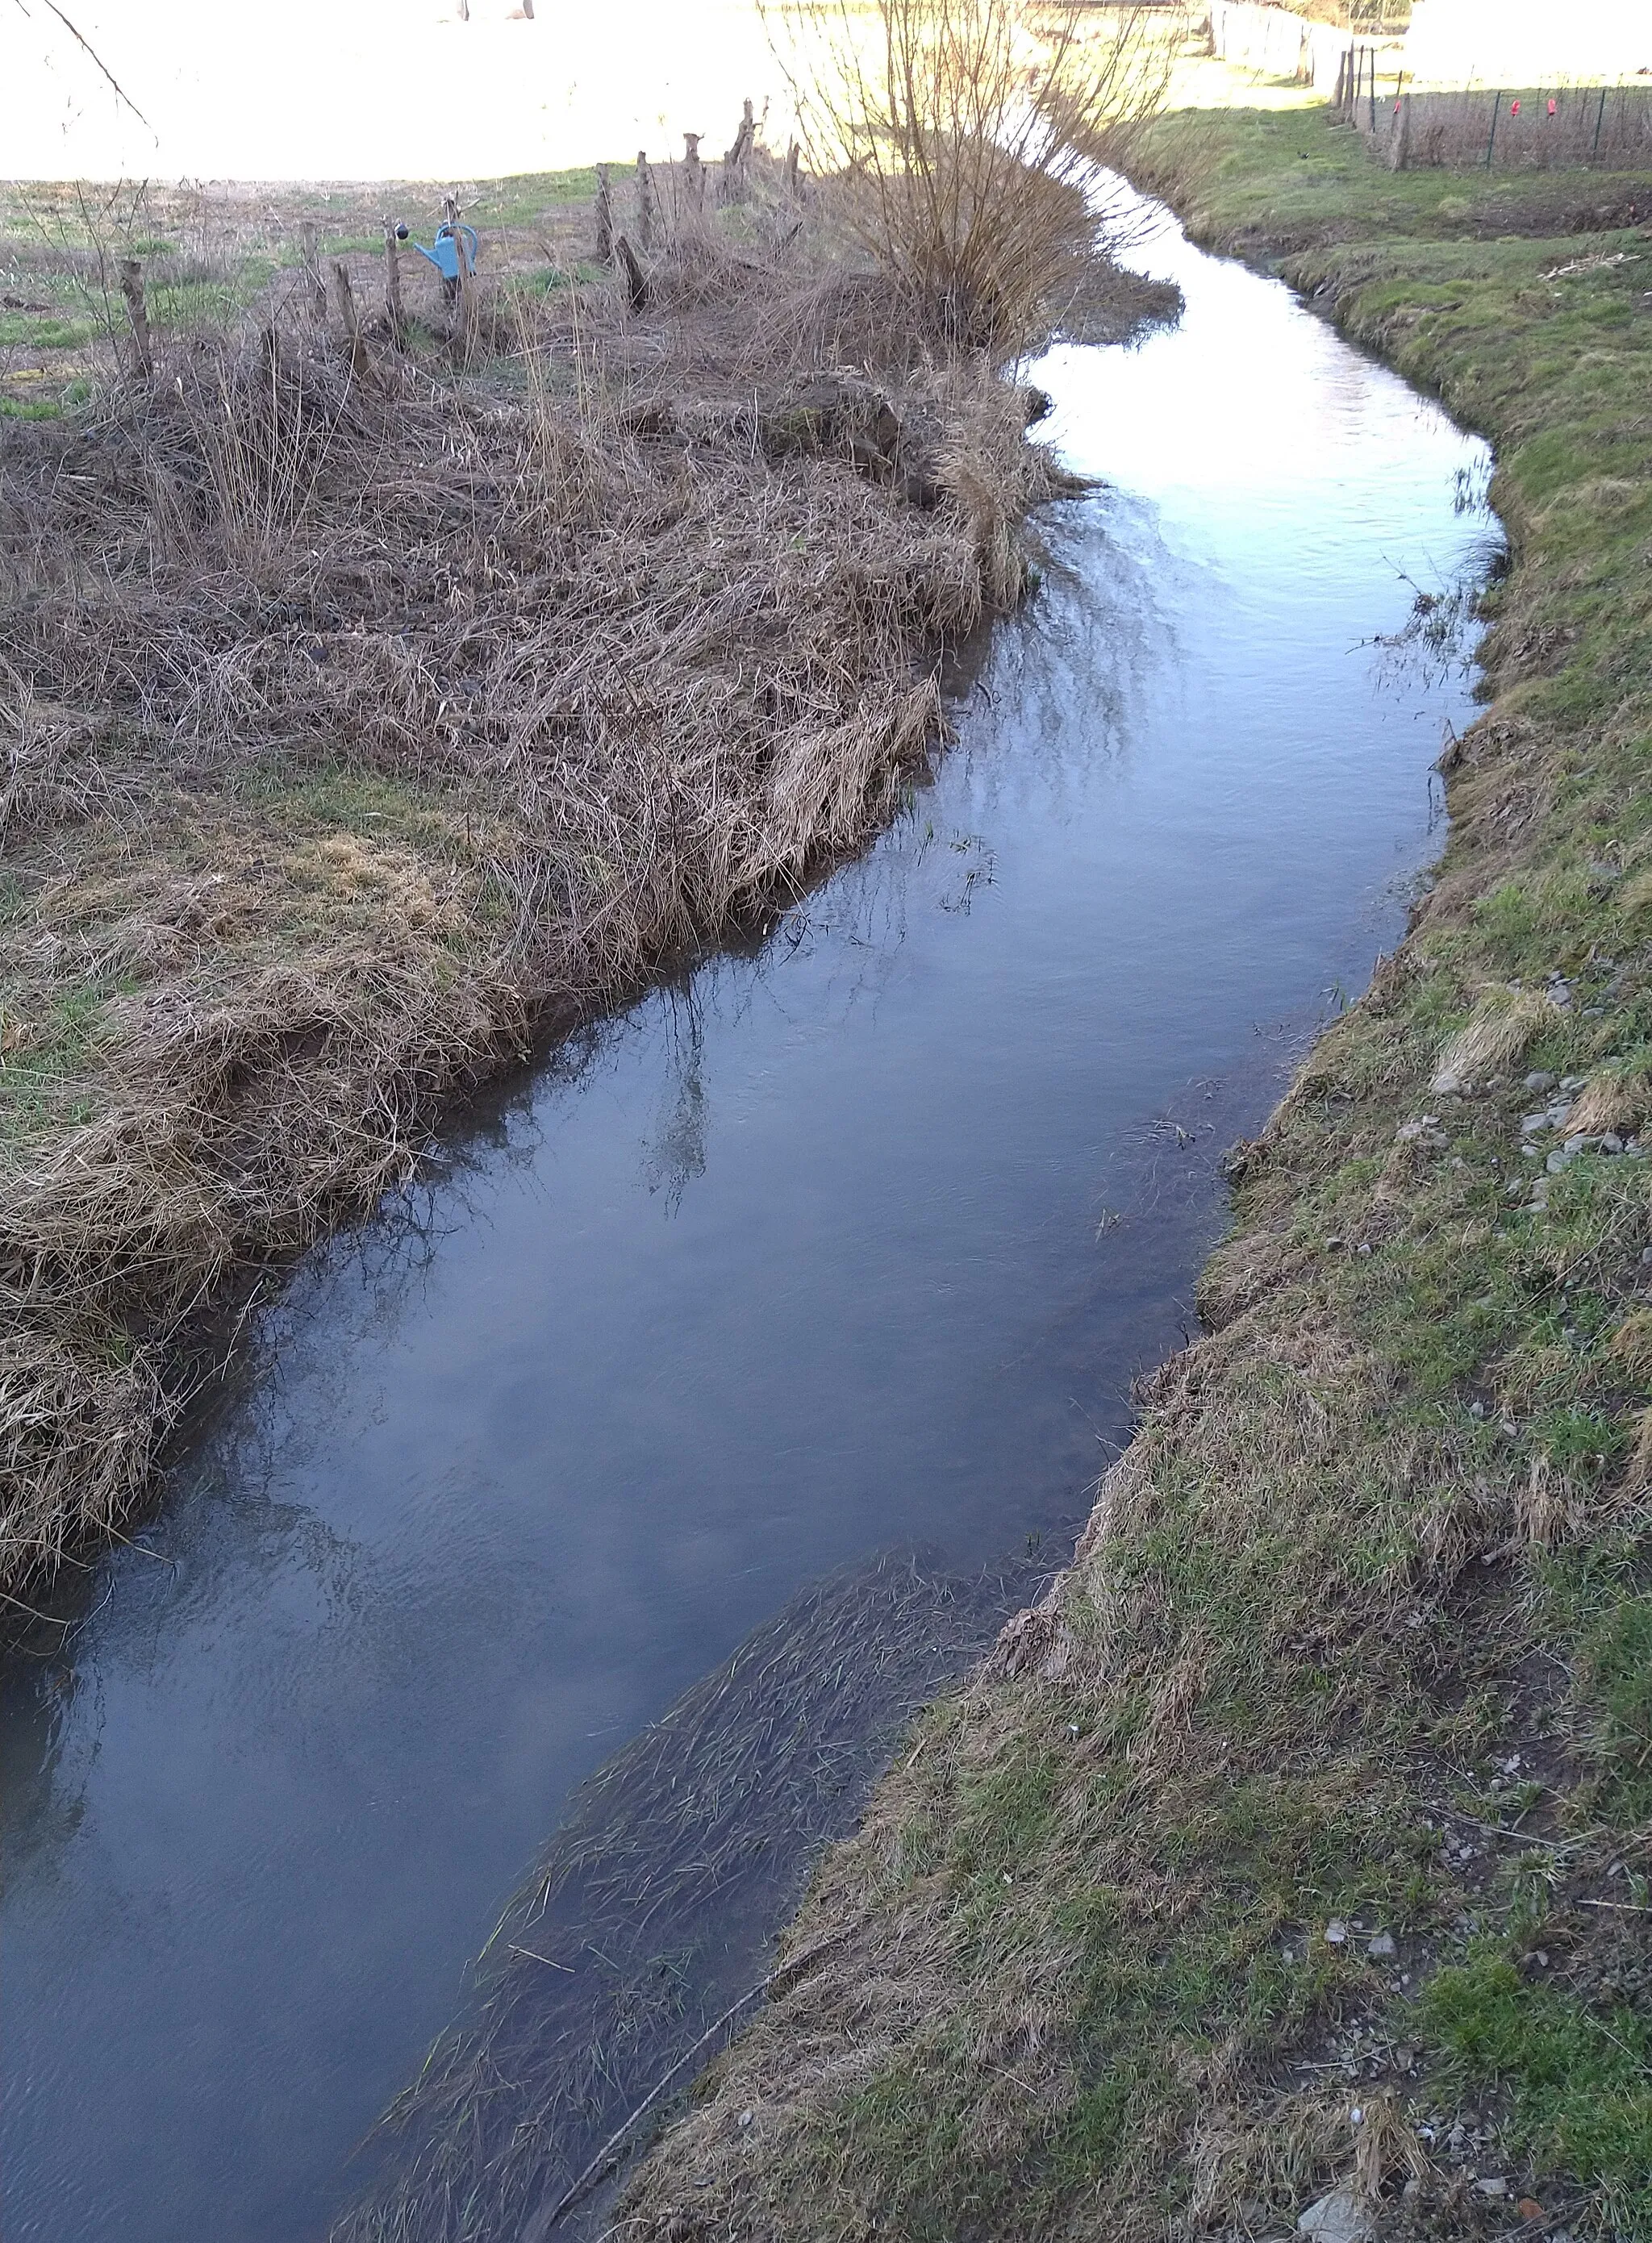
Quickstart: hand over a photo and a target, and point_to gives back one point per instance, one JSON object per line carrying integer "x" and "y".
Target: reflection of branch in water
{"x": 675, "y": 1155}
{"x": 653, "y": 1904}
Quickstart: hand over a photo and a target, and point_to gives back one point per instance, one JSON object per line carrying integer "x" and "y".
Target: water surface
{"x": 853, "y": 1242}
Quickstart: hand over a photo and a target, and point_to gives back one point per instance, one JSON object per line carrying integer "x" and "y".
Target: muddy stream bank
{"x": 831, "y": 1266}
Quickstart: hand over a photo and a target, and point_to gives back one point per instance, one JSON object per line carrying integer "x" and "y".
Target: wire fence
{"x": 1508, "y": 129}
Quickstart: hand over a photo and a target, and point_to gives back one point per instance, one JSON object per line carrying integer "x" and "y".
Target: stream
{"x": 847, "y": 1244}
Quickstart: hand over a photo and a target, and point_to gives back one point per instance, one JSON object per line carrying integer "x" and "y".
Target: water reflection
{"x": 855, "y": 1240}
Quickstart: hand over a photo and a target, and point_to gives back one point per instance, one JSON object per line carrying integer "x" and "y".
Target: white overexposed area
{"x": 372, "y": 89}
{"x": 1529, "y": 41}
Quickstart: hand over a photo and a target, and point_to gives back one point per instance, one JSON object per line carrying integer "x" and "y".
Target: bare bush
{"x": 965, "y": 138}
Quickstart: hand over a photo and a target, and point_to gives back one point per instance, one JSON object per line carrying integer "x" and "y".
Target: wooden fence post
{"x": 604, "y": 217}
{"x": 1491, "y": 138}
{"x": 645, "y": 202}
{"x": 693, "y": 172}
{"x": 792, "y": 156}
{"x": 131, "y": 287}
{"x": 393, "y": 315}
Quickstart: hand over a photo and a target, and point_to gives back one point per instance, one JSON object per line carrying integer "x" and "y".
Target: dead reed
{"x": 364, "y": 717}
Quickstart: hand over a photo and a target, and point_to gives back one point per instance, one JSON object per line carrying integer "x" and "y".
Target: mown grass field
{"x": 1301, "y": 1845}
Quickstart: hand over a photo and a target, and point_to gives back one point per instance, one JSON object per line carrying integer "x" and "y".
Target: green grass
{"x": 27, "y": 330}
{"x": 1578, "y": 2080}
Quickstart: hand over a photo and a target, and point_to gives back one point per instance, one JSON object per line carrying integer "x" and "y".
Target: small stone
{"x": 1580, "y": 1143}
{"x": 1344, "y": 2216}
{"x": 1493, "y": 2185}
{"x": 745, "y": 2118}
{"x": 1363, "y": 1247}
{"x": 1529, "y": 2208}
{"x": 1447, "y": 1086}
{"x": 1539, "y": 1079}
{"x": 1573, "y": 1082}
{"x": 1382, "y": 1948}
{"x": 1405, "y": 2057}
{"x": 1611, "y": 1142}
{"x": 1336, "y": 1932}
{"x": 1559, "y": 1161}
{"x": 1532, "y": 1125}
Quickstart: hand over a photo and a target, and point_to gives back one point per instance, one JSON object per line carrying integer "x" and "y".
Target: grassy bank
{"x": 1300, "y": 1847}
{"x": 380, "y": 696}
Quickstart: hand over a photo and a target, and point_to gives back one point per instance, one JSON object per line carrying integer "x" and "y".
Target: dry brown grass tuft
{"x": 1505, "y": 1022}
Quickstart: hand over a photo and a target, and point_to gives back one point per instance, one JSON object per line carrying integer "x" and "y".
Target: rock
{"x": 1446, "y": 1086}
{"x": 1558, "y": 1160}
{"x": 1493, "y": 2185}
{"x": 1580, "y": 1144}
{"x": 1573, "y": 1082}
{"x": 1539, "y": 1080}
{"x": 1344, "y": 2216}
{"x": 1382, "y": 1948}
{"x": 1611, "y": 1142}
{"x": 1336, "y": 1932}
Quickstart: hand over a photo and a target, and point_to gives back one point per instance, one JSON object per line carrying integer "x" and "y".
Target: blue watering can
{"x": 443, "y": 252}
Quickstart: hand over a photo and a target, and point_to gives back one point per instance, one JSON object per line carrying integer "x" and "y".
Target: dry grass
{"x": 367, "y": 716}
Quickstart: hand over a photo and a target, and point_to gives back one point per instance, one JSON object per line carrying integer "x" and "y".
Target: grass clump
{"x": 1298, "y": 1841}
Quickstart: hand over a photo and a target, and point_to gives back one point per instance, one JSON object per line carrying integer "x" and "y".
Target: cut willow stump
{"x": 131, "y": 287}
{"x": 647, "y": 206}
{"x": 636, "y": 279}
{"x": 350, "y": 334}
{"x": 395, "y": 318}
{"x": 734, "y": 185}
{"x": 604, "y": 217}
{"x": 310, "y": 248}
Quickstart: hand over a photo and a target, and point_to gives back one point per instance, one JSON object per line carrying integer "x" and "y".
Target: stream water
{"x": 854, "y": 1241}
